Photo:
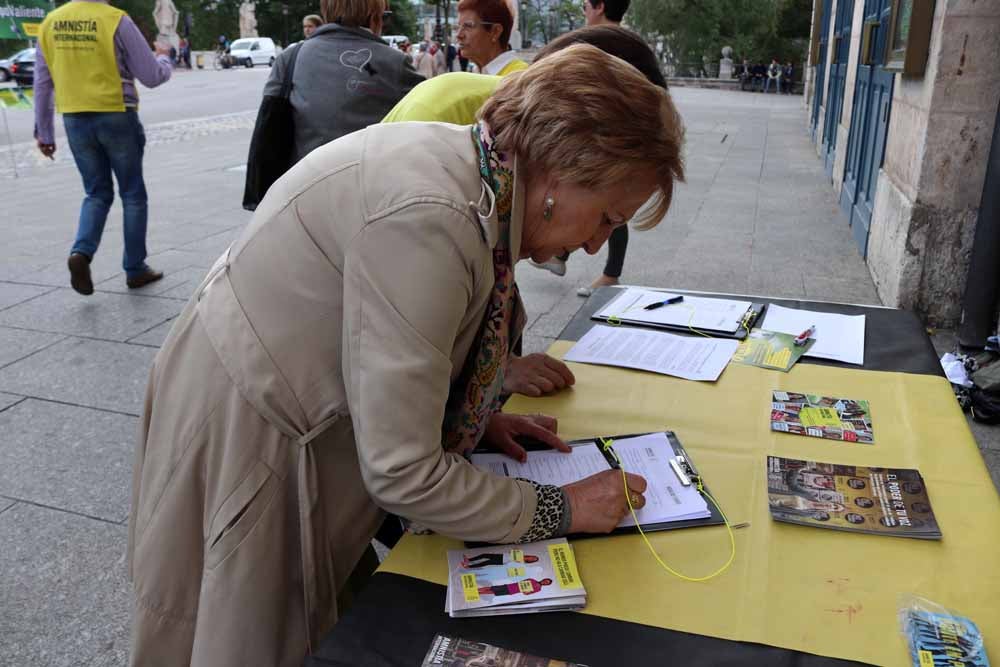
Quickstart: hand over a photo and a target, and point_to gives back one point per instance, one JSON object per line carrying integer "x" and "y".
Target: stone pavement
{"x": 755, "y": 216}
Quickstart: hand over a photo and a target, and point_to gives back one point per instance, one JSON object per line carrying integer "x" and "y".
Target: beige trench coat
{"x": 303, "y": 388}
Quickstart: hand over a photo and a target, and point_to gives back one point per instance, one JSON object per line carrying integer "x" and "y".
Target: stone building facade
{"x": 907, "y": 153}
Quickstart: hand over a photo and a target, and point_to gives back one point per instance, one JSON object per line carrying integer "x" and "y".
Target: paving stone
{"x": 17, "y": 344}
{"x": 73, "y": 458}
{"x": 90, "y": 373}
{"x": 13, "y": 293}
{"x": 66, "y": 600}
{"x": 101, "y": 315}
{"x": 155, "y": 337}
{"x": 7, "y": 400}
{"x": 533, "y": 343}
{"x": 6, "y": 504}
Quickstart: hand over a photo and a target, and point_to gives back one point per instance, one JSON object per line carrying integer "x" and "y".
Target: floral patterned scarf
{"x": 475, "y": 394}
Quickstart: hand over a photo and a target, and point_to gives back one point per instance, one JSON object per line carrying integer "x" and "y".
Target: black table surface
{"x": 394, "y": 620}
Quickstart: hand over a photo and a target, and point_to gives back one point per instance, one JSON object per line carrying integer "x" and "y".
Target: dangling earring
{"x": 547, "y": 211}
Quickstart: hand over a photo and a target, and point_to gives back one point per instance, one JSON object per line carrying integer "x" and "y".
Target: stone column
{"x": 930, "y": 187}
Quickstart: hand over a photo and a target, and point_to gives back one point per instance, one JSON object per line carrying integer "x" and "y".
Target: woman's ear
{"x": 495, "y": 31}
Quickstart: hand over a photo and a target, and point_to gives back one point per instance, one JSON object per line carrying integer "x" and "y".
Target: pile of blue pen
{"x": 943, "y": 640}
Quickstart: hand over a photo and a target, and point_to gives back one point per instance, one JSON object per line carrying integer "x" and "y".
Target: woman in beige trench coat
{"x": 303, "y": 390}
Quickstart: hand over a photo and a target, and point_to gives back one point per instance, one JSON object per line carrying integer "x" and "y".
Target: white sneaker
{"x": 584, "y": 291}
{"x": 555, "y": 265}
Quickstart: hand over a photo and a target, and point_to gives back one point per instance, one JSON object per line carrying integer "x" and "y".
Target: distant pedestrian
{"x": 346, "y": 77}
{"x": 788, "y": 76}
{"x": 310, "y": 24}
{"x": 463, "y": 62}
{"x": 450, "y": 57}
{"x": 423, "y": 61}
{"x": 596, "y": 12}
{"x": 484, "y": 36}
{"x": 93, "y": 82}
{"x": 440, "y": 59}
{"x": 773, "y": 76}
{"x": 185, "y": 53}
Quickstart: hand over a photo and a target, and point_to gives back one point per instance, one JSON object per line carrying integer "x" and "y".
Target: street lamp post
{"x": 284, "y": 13}
{"x": 524, "y": 24}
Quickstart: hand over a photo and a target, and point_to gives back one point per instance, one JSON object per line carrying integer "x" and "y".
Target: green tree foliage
{"x": 693, "y": 32}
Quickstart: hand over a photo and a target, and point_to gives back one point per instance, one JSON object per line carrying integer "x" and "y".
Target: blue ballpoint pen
{"x": 673, "y": 299}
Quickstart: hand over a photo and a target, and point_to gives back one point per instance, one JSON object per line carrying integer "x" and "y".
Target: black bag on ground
{"x": 273, "y": 144}
{"x": 985, "y": 405}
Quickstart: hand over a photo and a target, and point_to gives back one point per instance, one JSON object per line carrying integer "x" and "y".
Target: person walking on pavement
{"x": 596, "y": 12}
{"x": 89, "y": 55}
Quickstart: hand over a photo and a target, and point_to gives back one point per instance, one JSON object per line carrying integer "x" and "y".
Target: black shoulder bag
{"x": 273, "y": 144}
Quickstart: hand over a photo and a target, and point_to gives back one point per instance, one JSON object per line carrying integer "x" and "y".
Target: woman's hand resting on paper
{"x": 597, "y": 503}
{"x": 503, "y": 428}
{"x": 536, "y": 375}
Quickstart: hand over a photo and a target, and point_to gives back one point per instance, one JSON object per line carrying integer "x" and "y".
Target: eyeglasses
{"x": 472, "y": 25}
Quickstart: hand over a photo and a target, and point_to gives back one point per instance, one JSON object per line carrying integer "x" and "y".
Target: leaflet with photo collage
{"x": 844, "y": 419}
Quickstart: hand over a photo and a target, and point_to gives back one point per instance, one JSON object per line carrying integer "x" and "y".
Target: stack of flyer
{"x": 514, "y": 579}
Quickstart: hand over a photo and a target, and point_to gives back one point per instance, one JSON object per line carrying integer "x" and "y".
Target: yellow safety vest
{"x": 78, "y": 41}
{"x": 515, "y": 65}
{"x": 450, "y": 98}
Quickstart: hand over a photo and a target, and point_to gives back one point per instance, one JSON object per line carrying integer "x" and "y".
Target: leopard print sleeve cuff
{"x": 550, "y": 513}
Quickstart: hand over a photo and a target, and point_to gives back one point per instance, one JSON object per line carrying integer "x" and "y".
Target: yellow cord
{"x": 615, "y": 320}
{"x": 606, "y": 444}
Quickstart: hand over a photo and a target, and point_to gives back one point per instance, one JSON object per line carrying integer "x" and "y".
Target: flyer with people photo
{"x": 826, "y": 417}
{"x": 880, "y": 501}
{"x": 514, "y": 579}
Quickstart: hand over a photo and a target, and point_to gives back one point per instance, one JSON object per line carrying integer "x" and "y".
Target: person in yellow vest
{"x": 89, "y": 55}
{"x": 457, "y": 97}
{"x": 484, "y": 36}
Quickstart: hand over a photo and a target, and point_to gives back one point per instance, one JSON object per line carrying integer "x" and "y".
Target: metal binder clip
{"x": 681, "y": 469}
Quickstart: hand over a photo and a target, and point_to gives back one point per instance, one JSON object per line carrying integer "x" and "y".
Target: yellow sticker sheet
{"x": 821, "y": 591}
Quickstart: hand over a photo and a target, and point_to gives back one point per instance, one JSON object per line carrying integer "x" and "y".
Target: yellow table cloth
{"x": 821, "y": 591}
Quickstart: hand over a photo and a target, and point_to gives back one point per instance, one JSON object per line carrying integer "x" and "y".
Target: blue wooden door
{"x": 821, "y": 65}
{"x": 869, "y": 126}
{"x": 838, "y": 77}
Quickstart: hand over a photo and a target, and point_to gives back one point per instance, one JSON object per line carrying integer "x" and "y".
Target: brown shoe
{"x": 144, "y": 278}
{"x": 79, "y": 273}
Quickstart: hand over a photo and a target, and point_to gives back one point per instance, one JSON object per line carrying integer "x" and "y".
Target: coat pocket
{"x": 239, "y": 513}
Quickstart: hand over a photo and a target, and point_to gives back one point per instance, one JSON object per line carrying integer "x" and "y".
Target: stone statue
{"x": 726, "y": 64}
{"x": 165, "y": 16}
{"x": 248, "y": 20}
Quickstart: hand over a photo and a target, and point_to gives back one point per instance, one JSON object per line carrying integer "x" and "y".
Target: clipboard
{"x": 753, "y": 315}
{"x": 715, "y": 519}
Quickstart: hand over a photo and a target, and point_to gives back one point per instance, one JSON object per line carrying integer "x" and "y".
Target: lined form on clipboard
{"x": 712, "y": 314}
{"x": 667, "y": 500}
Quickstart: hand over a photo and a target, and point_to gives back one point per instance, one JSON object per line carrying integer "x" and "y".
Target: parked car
{"x": 6, "y": 63}
{"x": 253, "y": 51}
{"x": 395, "y": 41}
{"x": 23, "y": 68}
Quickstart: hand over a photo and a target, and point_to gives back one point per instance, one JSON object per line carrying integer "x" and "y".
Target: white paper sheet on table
{"x": 838, "y": 337}
{"x": 693, "y": 311}
{"x": 647, "y": 455}
{"x": 688, "y": 357}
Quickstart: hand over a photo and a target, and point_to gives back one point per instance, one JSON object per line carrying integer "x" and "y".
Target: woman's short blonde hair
{"x": 351, "y": 13}
{"x": 316, "y": 21}
{"x": 592, "y": 119}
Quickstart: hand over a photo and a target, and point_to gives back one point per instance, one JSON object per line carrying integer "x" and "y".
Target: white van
{"x": 395, "y": 41}
{"x": 252, "y": 51}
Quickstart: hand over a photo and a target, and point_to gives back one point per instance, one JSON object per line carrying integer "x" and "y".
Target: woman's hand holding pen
{"x": 598, "y": 504}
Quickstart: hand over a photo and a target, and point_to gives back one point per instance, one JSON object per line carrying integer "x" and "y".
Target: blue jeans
{"x": 777, "y": 84}
{"x": 103, "y": 143}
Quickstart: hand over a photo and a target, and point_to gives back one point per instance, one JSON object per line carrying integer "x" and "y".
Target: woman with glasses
{"x": 345, "y": 77}
{"x": 344, "y": 357}
{"x": 484, "y": 36}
